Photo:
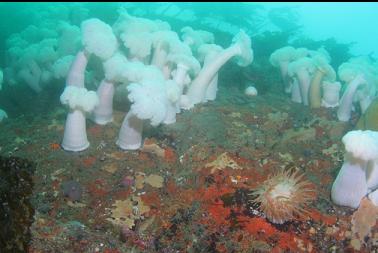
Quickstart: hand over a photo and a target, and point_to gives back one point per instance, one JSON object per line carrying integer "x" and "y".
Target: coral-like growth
{"x": 283, "y": 195}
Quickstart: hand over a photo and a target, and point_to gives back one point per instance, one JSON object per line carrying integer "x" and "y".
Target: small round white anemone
{"x": 250, "y": 91}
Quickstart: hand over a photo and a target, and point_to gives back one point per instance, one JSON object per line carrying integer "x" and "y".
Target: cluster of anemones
{"x": 283, "y": 195}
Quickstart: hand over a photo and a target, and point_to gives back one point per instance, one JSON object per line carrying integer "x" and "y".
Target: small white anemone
{"x": 250, "y": 91}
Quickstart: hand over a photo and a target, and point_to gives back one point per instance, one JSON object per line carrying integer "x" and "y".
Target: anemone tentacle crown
{"x": 283, "y": 195}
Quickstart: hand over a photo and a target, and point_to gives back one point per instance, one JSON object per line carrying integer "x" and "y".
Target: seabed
{"x": 187, "y": 189}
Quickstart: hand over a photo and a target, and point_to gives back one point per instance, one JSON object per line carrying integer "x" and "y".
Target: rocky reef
{"x": 16, "y": 211}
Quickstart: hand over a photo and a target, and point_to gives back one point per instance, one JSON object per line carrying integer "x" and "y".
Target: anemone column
{"x": 241, "y": 48}
{"x": 103, "y": 113}
{"x": 331, "y": 92}
{"x": 304, "y": 85}
{"x": 80, "y": 102}
{"x": 211, "y": 91}
{"x": 75, "y": 132}
{"x": 352, "y": 175}
{"x": 315, "y": 89}
{"x": 130, "y": 135}
{"x": 76, "y": 74}
{"x": 358, "y": 173}
{"x": 197, "y": 90}
{"x": 295, "y": 91}
{"x": 346, "y": 101}
{"x": 284, "y": 75}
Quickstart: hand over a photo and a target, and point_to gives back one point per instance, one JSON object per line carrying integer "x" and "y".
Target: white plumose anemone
{"x": 80, "y": 101}
{"x": 358, "y": 173}
{"x": 149, "y": 102}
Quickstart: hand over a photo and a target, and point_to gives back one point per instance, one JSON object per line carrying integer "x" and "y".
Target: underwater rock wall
{"x": 16, "y": 211}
